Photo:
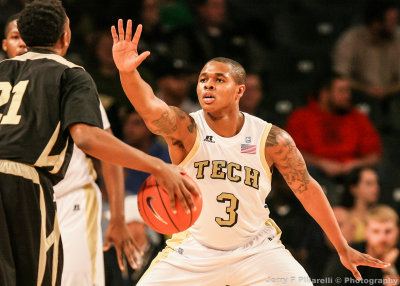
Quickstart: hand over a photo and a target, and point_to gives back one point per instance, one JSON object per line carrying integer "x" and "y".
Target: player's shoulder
{"x": 278, "y": 136}
{"x": 45, "y": 56}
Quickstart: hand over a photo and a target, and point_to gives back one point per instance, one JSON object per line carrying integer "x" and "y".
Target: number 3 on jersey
{"x": 5, "y": 93}
{"x": 230, "y": 210}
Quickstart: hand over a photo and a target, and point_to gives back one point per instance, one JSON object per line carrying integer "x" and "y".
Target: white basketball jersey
{"x": 234, "y": 179}
{"x": 80, "y": 170}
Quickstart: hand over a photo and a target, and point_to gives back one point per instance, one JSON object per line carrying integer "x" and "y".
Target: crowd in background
{"x": 327, "y": 71}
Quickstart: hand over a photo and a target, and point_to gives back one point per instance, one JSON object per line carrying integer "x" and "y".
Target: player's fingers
{"x": 171, "y": 197}
{"x": 136, "y": 37}
{"x": 120, "y": 258}
{"x": 355, "y": 272}
{"x": 106, "y": 246}
{"x": 373, "y": 262}
{"x": 182, "y": 199}
{"x": 128, "y": 35}
{"x": 191, "y": 187}
{"x": 121, "y": 29}
{"x": 188, "y": 197}
{"x": 130, "y": 255}
{"x": 114, "y": 34}
{"x": 142, "y": 57}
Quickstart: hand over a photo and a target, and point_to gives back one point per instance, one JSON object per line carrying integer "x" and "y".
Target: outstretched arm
{"x": 104, "y": 146}
{"x": 282, "y": 152}
{"x": 170, "y": 122}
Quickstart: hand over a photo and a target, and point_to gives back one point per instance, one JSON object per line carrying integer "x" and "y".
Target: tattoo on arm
{"x": 182, "y": 116}
{"x": 288, "y": 160}
{"x": 166, "y": 124}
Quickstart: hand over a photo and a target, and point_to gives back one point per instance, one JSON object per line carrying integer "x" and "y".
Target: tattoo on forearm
{"x": 288, "y": 160}
{"x": 166, "y": 124}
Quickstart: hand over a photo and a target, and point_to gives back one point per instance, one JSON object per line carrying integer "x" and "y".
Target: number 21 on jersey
{"x": 5, "y": 94}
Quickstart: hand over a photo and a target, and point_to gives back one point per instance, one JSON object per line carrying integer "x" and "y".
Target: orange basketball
{"x": 156, "y": 211}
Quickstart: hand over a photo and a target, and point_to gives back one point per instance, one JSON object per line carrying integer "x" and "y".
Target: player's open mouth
{"x": 208, "y": 98}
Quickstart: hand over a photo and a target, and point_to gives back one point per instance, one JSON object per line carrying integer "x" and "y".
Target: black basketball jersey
{"x": 41, "y": 94}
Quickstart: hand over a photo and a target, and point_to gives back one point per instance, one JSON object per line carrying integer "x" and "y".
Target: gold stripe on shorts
{"x": 20, "y": 170}
{"x": 91, "y": 211}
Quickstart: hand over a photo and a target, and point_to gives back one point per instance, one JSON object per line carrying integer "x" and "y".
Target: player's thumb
{"x": 142, "y": 57}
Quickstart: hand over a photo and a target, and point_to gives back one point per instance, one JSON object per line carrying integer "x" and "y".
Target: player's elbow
{"x": 81, "y": 135}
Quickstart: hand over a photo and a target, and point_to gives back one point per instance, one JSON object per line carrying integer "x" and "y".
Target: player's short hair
{"x": 382, "y": 213}
{"x": 9, "y": 20}
{"x": 237, "y": 70}
{"x": 41, "y": 23}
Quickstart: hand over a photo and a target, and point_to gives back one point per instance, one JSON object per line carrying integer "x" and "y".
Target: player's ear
{"x": 241, "y": 90}
{"x": 65, "y": 39}
{"x": 4, "y": 45}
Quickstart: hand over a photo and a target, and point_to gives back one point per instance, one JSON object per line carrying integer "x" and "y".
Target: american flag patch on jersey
{"x": 247, "y": 148}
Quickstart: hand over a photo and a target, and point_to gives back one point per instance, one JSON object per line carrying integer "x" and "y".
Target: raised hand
{"x": 124, "y": 49}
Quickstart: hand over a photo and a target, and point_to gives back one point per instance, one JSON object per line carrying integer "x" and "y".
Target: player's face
{"x": 217, "y": 89}
{"x": 381, "y": 236}
{"x": 13, "y": 44}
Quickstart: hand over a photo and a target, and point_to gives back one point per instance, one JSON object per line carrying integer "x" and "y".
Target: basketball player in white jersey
{"x": 79, "y": 213}
{"x": 231, "y": 155}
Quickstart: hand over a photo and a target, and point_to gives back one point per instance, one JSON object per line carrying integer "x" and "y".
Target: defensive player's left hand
{"x": 119, "y": 235}
{"x": 352, "y": 258}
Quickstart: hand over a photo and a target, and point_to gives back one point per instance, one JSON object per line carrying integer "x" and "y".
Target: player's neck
{"x": 225, "y": 125}
{"x": 52, "y": 49}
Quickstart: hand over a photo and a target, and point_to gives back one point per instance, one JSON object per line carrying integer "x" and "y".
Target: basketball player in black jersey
{"x": 45, "y": 103}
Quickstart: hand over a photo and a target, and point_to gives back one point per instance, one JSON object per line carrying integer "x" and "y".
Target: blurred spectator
{"x": 212, "y": 35}
{"x": 154, "y": 38}
{"x": 106, "y": 77}
{"x": 333, "y": 136}
{"x": 139, "y": 136}
{"x": 369, "y": 54}
{"x": 146, "y": 239}
{"x": 12, "y": 44}
{"x": 317, "y": 248}
{"x": 382, "y": 238}
{"x": 173, "y": 85}
{"x": 175, "y": 13}
{"x": 253, "y": 96}
{"x": 360, "y": 194}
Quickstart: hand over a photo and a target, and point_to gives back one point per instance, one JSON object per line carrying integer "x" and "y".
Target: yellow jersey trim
{"x": 193, "y": 151}
{"x": 262, "y": 151}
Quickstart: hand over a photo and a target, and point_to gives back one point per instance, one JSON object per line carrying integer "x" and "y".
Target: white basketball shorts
{"x": 79, "y": 215}
{"x": 263, "y": 261}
